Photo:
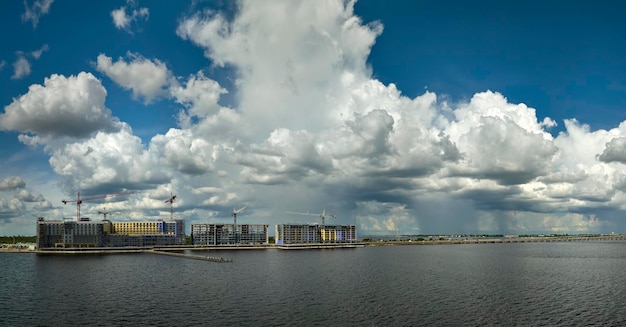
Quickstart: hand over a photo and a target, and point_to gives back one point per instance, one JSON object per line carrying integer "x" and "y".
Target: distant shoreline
{"x": 487, "y": 240}
{"x": 309, "y": 246}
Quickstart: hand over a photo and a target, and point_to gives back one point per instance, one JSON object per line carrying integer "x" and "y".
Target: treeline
{"x": 17, "y": 239}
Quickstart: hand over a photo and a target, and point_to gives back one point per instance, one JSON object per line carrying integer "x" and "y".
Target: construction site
{"x": 227, "y": 234}
{"x": 96, "y": 234}
{"x": 83, "y": 233}
{"x": 315, "y": 235}
{"x": 290, "y": 234}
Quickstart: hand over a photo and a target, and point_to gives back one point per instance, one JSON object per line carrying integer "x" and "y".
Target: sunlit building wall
{"x": 313, "y": 233}
{"x": 137, "y": 228}
{"x": 85, "y": 233}
{"x": 174, "y": 228}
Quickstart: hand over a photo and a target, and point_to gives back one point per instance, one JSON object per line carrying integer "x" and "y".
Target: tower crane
{"x": 234, "y": 214}
{"x": 80, "y": 200}
{"x": 171, "y": 202}
{"x": 322, "y": 215}
{"x": 104, "y": 212}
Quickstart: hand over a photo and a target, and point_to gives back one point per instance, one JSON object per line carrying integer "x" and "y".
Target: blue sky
{"x": 415, "y": 117}
{"x": 565, "y": 60}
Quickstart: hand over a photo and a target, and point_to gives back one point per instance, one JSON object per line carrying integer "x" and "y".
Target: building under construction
{"x": 227, "y": 234}
{"x": 315, "y": 234}
{"x": 86, "y": 233}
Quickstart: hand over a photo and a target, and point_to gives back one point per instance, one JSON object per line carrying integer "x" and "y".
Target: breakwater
{"x": 98, "y": 251}
{"x": 192, "y": 256}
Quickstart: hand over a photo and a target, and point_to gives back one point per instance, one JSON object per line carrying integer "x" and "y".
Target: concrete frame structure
{"x": 315, "y": 234}
{"x": 226, "y": 234}
{"x": 152, "y": 228}
{"x": 85, "y": 233}
{"x": 59, "y": 233}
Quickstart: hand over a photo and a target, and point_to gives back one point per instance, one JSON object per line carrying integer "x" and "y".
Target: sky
{"x": 415, "y": 117}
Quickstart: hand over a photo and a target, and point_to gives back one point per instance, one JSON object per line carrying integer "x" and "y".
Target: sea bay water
{"x": 520, "y": 284}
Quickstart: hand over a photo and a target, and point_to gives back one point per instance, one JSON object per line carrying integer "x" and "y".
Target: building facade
{"x": 85, "y": 233}
{"x": 224, "y": 234}
{"x": 315, "y": 234}
{"x": 158, "y": 232}
{"x": 59, "y": 233}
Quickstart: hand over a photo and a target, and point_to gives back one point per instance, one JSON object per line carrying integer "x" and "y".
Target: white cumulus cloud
{"x": 199, "y": 95}
{"x": 62, "y": 107}
{"x": 37, "y": 53}
{"x": 21, "y": 68}
{"x": 291, "y": 65}
{"x": 146, "y": 78}
{"x": 126, "y": 15}
{"x": 311, "y": 128}
{"x": 35, "y": 11}
{"x": 11, "y": 183}
{"x": 107, "y": 161}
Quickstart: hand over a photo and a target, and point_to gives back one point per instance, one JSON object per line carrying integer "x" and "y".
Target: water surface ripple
{"x": 522, "y": 284}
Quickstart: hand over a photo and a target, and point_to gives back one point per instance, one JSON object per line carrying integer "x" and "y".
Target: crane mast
{"x": 104, "y": 212}
{"x": 171, "y": 202}
{"x": 234, "y": 214}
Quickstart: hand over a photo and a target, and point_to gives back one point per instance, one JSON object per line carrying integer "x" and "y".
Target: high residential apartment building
{"x": 85, "y": 233}
{"x": 314, "y": 234}
{"x": 225, "y": 234}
